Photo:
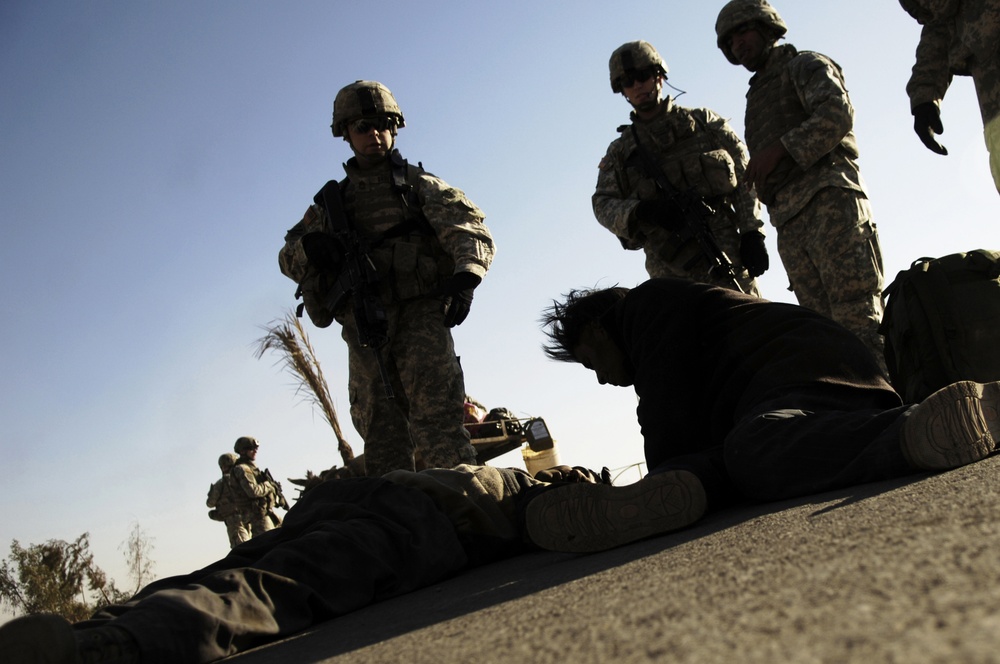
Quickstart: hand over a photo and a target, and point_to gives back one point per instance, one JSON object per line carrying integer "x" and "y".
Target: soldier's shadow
{"x": 514, "y": 578}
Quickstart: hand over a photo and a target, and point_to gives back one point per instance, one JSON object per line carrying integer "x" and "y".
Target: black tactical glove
{"x": 458, "y": 297}
{"x": 660, "y": 212}
{"x": 927, "y": 123}
{"x": 323, "y": 251}
{"x": 753, "y": 253}
{"x": 574, "y": 475}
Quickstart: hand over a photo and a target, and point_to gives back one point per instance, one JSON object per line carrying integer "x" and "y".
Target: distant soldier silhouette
{"x": 254, "y": 494}
{"x": 223, "y": 502}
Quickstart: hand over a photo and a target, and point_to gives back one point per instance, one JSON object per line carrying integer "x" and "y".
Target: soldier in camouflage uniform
{"x": 697, "y": 152}
{"x": 222, "y": 500}
{"x": 254, "y": 495}
{"x": 959, "y": 38}
{"x": 803, "y": 165}
{"x": 430, "y": 249}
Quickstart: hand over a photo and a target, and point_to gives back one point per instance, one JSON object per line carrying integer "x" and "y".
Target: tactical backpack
{"x": 942, "y": 323}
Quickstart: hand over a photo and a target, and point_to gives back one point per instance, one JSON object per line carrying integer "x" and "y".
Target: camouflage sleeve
{"x": 930, "y": 76}
{"x": 458, "y": 224}
{"x": 246, "y": 481}
{"x": 743, "y": 200}
{"x": 614, "y": 206}
{"x": 823, "y": 94}
{"x": 292, "y": 258}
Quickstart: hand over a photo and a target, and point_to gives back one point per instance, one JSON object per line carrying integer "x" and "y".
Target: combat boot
{"x": 594, "y": 517}
{"x": 50, "y": 639}
{"x": 956, "y": 425}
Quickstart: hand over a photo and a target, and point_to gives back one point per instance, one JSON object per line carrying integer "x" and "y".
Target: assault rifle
{"x": 356, "y": 279}
{"x": 279, "y": 496}
{"x": 693, "y": 219}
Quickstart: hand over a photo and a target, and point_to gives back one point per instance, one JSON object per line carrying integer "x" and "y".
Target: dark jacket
{"x": 706, "y": 357}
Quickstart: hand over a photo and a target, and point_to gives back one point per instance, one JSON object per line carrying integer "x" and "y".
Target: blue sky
{"x": 155, "y": 153}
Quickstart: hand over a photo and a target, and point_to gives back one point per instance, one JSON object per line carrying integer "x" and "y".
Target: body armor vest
{"x": 384, "y": 210}
{"x": 686, "y": 153}
{"x": 773, "y": 109}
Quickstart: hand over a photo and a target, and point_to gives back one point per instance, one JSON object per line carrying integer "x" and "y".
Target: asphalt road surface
{"x": 902, "y": 571}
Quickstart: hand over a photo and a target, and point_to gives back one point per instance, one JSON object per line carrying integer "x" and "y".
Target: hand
{"x": 660, "y": 212}
{"x": 763, "y": 164}
{"x": 457, "y": 308}
{"x": 927, "y": 123}
{"x": 458, "y": 297}
{"x": 753, "y": 253}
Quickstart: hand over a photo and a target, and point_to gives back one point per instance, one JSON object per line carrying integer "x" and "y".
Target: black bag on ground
{"x": 942, "y": 323}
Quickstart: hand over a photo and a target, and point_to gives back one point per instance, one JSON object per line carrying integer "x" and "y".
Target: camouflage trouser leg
{"x": 381, "y": 422}
{"x": 431, "y": 374}
{"x": 992, "y": 132}
{"x": 665, "y": 257}
{"x": 987, "y": 80}
{"x": 833, "y": 259}
{"x": 259, "y": 523}
{"x": 427, "y": 411}
{"x": 237, "y": 531}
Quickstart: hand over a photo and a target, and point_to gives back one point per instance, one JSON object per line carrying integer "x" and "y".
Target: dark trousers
{"x": 344, "y": 545}
{"x": 802, "y": 444}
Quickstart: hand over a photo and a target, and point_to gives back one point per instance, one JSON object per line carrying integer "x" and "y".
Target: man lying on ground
{"x": 741, "y": 399}
{"x": 343, "y": 545}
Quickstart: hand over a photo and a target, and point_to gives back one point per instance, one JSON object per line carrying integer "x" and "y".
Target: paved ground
{"x": 902, "y": 571}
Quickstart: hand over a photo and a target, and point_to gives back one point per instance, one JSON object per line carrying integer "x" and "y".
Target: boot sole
{"x": 581, "y": 518}
{"x": 957, "y": 425}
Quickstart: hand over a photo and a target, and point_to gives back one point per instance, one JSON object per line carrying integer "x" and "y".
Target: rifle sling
{"x": 702, "y": 233}
{"x": 652, "y": 170}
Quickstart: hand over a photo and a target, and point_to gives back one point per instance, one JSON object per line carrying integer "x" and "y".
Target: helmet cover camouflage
{"x": 227, "y": 461}
{"x": 364, "y": 99}
{"x": 244, "y": 443}
{"x": 738, "y": 12}
{"x": 633, "y": 56}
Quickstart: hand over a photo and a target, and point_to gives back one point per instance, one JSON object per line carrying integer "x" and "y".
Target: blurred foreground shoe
{"x": 49, "y": 639}
{"x": 38, "y": 639}
{"x": 595, "y": 517}
{"x": 955, "y": 426}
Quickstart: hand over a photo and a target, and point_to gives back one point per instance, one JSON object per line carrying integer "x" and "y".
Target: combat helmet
{"x": 227, "y": 461}
{"x": 364, "y": 99}
{"x": 738, "y": 12}
{"x": 633, "y": 56}
{"x": 244, "y": 443}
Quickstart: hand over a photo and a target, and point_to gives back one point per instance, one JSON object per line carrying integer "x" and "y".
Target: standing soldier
{"x": 254, "y": 494}
{"x": 803, "y": 165}
{"x": 693, "y": 152}
{"x": 222, "y": 500}
{"x": 959, "y": 37}
{"x": 429, "y": 249}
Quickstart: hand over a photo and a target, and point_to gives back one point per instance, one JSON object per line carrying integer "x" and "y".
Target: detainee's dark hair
{"x": 563, "y": 322}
